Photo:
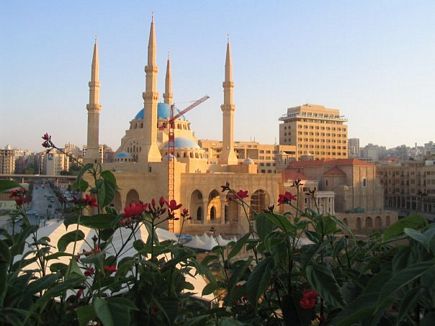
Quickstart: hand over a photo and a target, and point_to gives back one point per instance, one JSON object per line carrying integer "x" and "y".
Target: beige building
{"x": 316, "y": 131}
{"x": 7, "y": 160}
{"x": 145, "y": 169}
{"x": 348, "y": 187}
{"x": 54, "y": 163}
{"x": 409, "y": 186}
{"x": 268, "y": 158}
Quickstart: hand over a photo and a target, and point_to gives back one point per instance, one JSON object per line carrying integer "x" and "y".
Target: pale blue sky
{"x": 374, "y": 60}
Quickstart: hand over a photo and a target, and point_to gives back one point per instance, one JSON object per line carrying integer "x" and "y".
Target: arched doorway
{"x": 214, "y": 207}
{"x": 259, "y": 202}
{"x": 345, "y": 221}
{"x": 378, "y": 222}
{"x": 369, "y": 222}
{"x": 231, "y": 210}
{"x": 212, "y": 214}
{"x": 196, "y": 207}
{"x": 132, "y": 196}
{"x": 358, "y": 224}
{"x": 116, "y": 202}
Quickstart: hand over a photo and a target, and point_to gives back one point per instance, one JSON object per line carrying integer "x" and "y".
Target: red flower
{"x": 79, "y": 293}
{"x": 110, "y": 268}
{"x": 185, "y": 212}
{"x": 90, "y": 200}
{"x": 46, "y": 136}
{"x": 89, "y": 271}
{"x": 20, "y": 196}
{"x": 134, "y": 209}
{"x": 242, "y": 194}
{"x": 286, "y": 198}
{"x": 172, "y": 205}
{"x": 162, "y": 201}
{"x": 308, "y": 300}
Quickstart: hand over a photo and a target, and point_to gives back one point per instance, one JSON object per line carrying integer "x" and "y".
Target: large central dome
{"x": 163, "y": 112}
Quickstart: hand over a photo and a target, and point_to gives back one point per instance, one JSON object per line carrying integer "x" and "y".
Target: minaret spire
{"x": 94, "y": 109}
{"x": 167, "y": 96}
{"x": 228, "y": 155}
{"x": 150, "y": 151}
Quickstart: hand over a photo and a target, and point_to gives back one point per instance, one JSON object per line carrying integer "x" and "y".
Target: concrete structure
{"x": 94, "y": 109}
{"x": 141, "y": 163}
{"x": 354, "y": 183}
{"x": 373, "y": 153}
{"x": 54, "y": 163}
{"x": 316, "y": 131}
{"x": 7, "y": 160}
{"x": 354, "y": 150}
{"x": 228, "y": 155}
{"x": 409, "y": 186}
{"x": 268, "y": 158}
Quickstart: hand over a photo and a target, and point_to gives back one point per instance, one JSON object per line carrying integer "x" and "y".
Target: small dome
{"x": 122, "y": 155}
{"x": 163, "y": 112}
{"x": 248, "y": 161}
{"x": 182, "y": 142}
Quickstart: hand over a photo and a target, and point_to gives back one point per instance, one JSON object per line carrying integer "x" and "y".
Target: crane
{"x": 170, "y": 125}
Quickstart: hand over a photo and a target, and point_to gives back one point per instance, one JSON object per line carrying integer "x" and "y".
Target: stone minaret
{"x": 150, "y": 151}
{"x": 228, "y": 155}
{"x": 94, "y": 108}
{"x": 167, "y": 96}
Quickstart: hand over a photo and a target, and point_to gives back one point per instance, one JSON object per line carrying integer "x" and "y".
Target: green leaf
{"x": 408, "y": 303}
{"x": 322, "y": 280}
{"x": 81, "y": 185}
{"x": 238, "y": 246}
{"x": 41, "y": 284}
{"x": 428, "y": 320}
{"x": 101, "y": 221}
{"x": 263, "y": 225}
{"x": 85, "y": 314}
{"x": 325, "y": 225}
{"x": 282, "y": 222}
{"x": 114, "y": 311}
{"x": 403, "y": 278}
{"x": 418, "y": 236}
{"x": 210, "y": 288}
{"x": 6, "y": 185}
{"x": 396, "y": 229}
{"x": 259, "y": 279}
{"x": 69, "y": 237}
{"x": 5, "y": 256}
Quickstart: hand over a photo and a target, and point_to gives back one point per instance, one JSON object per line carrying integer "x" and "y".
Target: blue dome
{"x": 122, "y": 155}
{"x": 163, "y": 112}
{"x": 182, "y": 142}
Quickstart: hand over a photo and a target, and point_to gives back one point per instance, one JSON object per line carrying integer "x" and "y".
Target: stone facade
{"x": 316, "y": 131}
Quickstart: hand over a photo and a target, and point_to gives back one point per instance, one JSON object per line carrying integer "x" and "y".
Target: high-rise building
{"x": 7, "y": 160}
{"x": 316, "y": 131}
{"x": 353, "y": 145}
{"x": 55, "y": 162}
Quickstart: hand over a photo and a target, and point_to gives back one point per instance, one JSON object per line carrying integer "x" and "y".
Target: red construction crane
{"x": 170, "y": 124}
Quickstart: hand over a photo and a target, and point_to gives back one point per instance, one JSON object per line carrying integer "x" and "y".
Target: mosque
{"x": 145, "y": 168}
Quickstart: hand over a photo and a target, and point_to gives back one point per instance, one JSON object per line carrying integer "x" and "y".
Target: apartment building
{"x": 7, "y": 160}
{"x": 409, "y": 186}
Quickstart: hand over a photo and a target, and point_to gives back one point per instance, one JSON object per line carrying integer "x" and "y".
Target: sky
{"x": 374, "y": 60}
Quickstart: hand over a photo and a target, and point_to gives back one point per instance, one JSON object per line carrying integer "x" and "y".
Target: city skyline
{"x": 375, "y": 68}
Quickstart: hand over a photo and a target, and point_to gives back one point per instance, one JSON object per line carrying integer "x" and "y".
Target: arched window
{"x": 212, "y": 213}
{"x": 358, "y": 224}
{"x": 199, "y": 214}
{"x": 369, "y": 222}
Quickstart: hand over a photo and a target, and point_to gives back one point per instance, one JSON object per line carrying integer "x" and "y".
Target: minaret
{"x": 94, "y": 108}
{"x": 150, "y": 151}
{"x": 167, "y": 96}
{"x": 228, "y": 155}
